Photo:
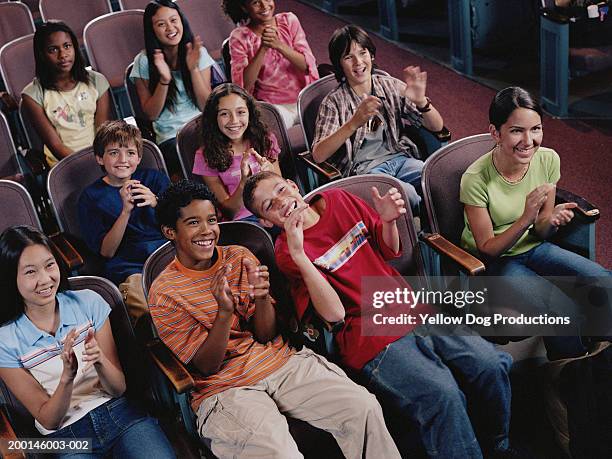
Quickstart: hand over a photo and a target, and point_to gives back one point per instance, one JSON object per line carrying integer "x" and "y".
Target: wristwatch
{"x": 426, "y": 107}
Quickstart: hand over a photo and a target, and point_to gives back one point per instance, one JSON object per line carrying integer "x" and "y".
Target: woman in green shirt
{"x": 509, "y": 198}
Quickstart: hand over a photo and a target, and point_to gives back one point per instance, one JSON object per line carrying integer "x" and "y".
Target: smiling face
{"x": 60, "y": 52}
{"x": 274, "y": 199}
{"x": 196, "y": 234}
{"x": 357, "y": 65}
{"x": 520, "y": 136}
{"x": 167, "y": 26}
{"x": 119, "y": 162}
{"x": 260, "y": 11}
{"x": 233, "y": 116}
{"x": 38, "y": 276}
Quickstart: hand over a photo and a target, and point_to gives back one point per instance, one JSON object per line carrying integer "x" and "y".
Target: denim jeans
{"x": 408, "y": 170}
{"x": 428, "y": 379}
{"x": 523, "y": 275}
{"x": 120, "y": 430}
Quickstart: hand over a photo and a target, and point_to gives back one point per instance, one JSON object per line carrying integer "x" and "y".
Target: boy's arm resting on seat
{"x": 209, "y": 356}
{"x": 324, "y": 298}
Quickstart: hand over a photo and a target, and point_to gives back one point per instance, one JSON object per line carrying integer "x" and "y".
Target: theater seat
{"x": 312, "y": 442}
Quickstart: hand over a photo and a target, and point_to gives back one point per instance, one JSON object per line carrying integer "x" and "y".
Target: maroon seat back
{"x": 112, "y": 41}
{"x": 75, "y": 13}
{"x": 441, "y": 178}
{"x": 15, "y": 21}
{"x": 207, "y": 19}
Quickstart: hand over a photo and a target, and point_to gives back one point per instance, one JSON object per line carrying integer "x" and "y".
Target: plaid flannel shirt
{"x": 340, "y": 104}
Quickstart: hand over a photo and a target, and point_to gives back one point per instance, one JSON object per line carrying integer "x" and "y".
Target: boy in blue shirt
{"x": 117, "y": 214}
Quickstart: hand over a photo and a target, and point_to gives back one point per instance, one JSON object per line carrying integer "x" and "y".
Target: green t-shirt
{"x": 483, "y": 186}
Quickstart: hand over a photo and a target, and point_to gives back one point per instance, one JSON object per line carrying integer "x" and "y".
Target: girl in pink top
{"x": 270, "y": 56}
{"x": 232, "y": 135}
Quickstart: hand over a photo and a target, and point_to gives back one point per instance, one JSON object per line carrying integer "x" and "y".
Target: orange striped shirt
{"x": 184, "y": 310}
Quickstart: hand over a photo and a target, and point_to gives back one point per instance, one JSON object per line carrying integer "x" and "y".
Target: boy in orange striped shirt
{"x": 212, "y": 308}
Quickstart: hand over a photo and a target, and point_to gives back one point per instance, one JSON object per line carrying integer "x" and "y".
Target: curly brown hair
{"x": 215, "y": 144}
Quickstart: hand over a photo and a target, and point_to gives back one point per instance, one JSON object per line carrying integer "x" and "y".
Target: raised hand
{"x": 534, "y": 202}
{"x": 368, "y": 107}
{"x": 264, "y": 163}
{"x": 389, "y": 206}
{"x": 142, "y": 195}
{"x": 562, "y": 214}
{"x": 269, "y": 38}
{"x": 165, "y": 75}
{"x": 294, "y": 229}
{"x": 92, "y": 353}
{"x": 258, "y": 277}
{"x": 222, "y": 292}
{"x": 69, "y": 359}
{"x": 416, "y": 85}
{"x": 192, "y": 56}
{"x": 245, "y": 166}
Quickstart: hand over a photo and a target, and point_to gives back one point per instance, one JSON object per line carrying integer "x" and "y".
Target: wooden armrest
{"x": 170, "y": 366}
{"x": 7, "y": 433}
{"x": 468, "y": 262}
{"x": 66, "y": 250}
{"x": 443, "y": 135}
{"x": 325, "y": 169}
{"x": 585, "y": 208}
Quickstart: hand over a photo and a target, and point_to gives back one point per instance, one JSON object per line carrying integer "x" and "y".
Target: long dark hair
{"x": 216, "y": 145}
{"x": 152, "y": 43}
{"x": 45, "y": 73}
{"x": 13, "y": 242}
{"x": 506, "y": 101}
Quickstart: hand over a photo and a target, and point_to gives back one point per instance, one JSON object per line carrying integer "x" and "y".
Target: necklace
{"x": 501, "y": 174}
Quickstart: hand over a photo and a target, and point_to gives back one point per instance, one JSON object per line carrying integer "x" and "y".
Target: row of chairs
{"x": 16, "y": 17}
{"x": 441, "y": 178}
{"x": 111, "y": 40}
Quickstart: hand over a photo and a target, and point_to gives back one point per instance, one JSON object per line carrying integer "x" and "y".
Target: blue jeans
{"x": 428, "y": 379}
{"x": 523, "y": 275}
{"x": 119, "y": 429}
{"x": 408, "y": 170}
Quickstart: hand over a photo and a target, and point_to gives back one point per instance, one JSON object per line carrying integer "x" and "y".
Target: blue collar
{"x": 31, "y": 333}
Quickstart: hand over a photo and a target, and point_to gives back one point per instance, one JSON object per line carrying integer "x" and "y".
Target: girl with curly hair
{"x": 270, "y": 56}
{"x": 233, "y": 136}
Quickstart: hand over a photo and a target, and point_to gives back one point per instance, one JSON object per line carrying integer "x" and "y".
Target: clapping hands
{"x": 390, "y": 206}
